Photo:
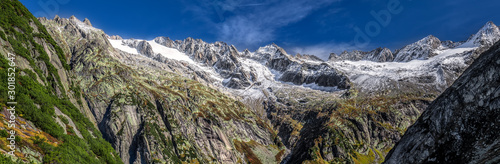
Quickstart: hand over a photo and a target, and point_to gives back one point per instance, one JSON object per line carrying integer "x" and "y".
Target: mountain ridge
{"x": 188, "y": 101}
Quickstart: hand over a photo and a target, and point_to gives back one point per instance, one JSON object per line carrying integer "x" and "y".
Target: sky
{"x": 301, "y": 26}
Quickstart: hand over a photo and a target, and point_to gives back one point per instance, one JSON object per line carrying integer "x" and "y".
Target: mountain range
{"x": 87, "y": 97}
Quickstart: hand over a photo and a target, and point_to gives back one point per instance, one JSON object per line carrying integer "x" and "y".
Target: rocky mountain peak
{"x": 422, "y": 49}
{"x": 85, "y": 27}
{"x": 72, "y": 17}
{"x": 272, "y": 51}
{"x": 332, "y": 56}
{"x": 379, "y": 55}
{"x": 87, "y": 22}
{"x": 486, "y": 36}
{"x": 246, "y": 52}
{"x": 429, "y": 39}
{"x": 166, "y": 41}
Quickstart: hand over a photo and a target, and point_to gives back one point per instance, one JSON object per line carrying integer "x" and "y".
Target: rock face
{"x": 461, "y": 125}
{"x": 380, "y": 55}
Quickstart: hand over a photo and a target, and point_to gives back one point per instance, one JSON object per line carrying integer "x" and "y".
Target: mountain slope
{"x": 462, "y": 124}
{"x": 50, "y": 125}
{"x": 151, "y": 114}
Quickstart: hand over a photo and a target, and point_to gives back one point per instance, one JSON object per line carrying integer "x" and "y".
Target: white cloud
{"x": 250, "y": 23}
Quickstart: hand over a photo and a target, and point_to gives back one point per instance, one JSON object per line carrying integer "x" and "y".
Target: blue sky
{"x": 300, "y": 26}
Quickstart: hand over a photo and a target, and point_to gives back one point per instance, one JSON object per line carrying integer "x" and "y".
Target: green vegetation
{"x": 4, "y": 133}
{"x": 6, "y": 159}
{"x": 26, "y": 42}
{"x": 63, "y": 119}
{"x": 348, "y": 122}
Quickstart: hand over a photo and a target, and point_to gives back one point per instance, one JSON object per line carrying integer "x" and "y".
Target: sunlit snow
{"x": 169, "y": 52}
{"x": 396, "y": 70}
{"x": 118, "y": 44}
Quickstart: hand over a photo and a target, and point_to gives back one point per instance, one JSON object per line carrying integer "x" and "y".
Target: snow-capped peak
{"x": 270, "y": 51}
{"x": 430, "y": 39}
{"x": 486, "y": 36}
{"x": 422, "y": 49}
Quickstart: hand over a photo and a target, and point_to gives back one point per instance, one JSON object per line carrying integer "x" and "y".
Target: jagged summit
{"x": 85, "y": 26}
{"x": 422, "y": 49}
{"x": 87, "y": 22}
{"x": 272, "y": 51}
{"x": 379, "y": 55}
{"x": 486, "y": 36}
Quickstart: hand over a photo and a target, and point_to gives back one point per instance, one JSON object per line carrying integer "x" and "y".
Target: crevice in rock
{"x": 134, "y": 146}
{"x": 167, "y": 124}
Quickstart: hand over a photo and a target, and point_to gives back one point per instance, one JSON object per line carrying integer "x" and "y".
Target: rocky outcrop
{"x": 379, "y": 55}
{"x": 87, "y": 22}
{"x": 115, "y": 37}
{"x": 462, "y": 124}
{"x": 142, "y": 46}
{"x": 451, "y": 44}
{"x": 322, "y": 75}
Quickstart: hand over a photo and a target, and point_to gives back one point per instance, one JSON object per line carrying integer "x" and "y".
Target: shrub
{"x": 4, "y": 133}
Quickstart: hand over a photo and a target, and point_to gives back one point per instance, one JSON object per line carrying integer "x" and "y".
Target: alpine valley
{"x": 86, "y": 97}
